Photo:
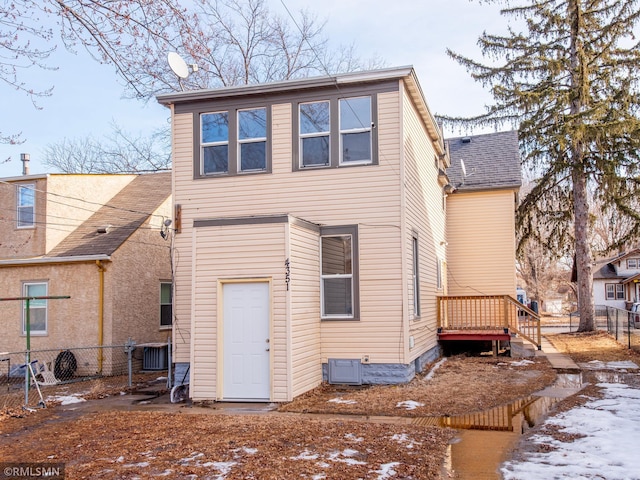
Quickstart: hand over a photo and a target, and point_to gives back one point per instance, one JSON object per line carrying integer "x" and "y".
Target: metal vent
{"x": 345, "y": 371}
{"x": 154, "y": 358}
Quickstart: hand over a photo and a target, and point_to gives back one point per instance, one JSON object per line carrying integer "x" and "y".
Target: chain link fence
{"x": 30, "y": 378}
{"x": 623, "y": 325}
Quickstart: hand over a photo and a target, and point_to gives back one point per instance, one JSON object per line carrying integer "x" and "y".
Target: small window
{"x": 355, "y": 130}
{"x": 632, "y": 263}
{"x": 215, "y": 143}
{"x": 438, "y": 274}
{"x": 614, "y": 291}
{"x": 416, "y": 279}
{"x": 252, "y": 139}
{"x": 37, "y": 312}
{"x": 339, "y": 269}
{"x": 26, "y": 202}
{"x": 166, "y": 304}
{"x": 314, "y": 134}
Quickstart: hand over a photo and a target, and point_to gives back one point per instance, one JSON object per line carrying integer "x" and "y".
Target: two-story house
{"x": 310, "y": 239}
{"x": 95, "y": 238}
{"x": 616, "y": 280}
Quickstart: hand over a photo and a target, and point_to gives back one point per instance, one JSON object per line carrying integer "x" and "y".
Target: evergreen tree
{"x": 567, "y": 75}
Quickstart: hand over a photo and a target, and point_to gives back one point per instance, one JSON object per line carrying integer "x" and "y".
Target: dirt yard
{"x": 283, "y": 445}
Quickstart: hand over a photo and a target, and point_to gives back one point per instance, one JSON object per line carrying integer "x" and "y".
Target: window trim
{"x": 170, "y": 283}
{"x": 33, "y": 332}
{"x": 233, "y": 164}
{"x": 335, "y": 135}
{"x": 302, "y": 136}
{"x": 616, "y": 293}
{"x": 203, "y": 145}
{"x": 334, "y": 231}
{"x": 250, "y": 140}
{"x": 19, "y": 187}
{"x": 636, "y": 261}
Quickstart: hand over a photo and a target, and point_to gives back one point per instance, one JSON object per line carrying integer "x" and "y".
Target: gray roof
{"x": 125, "y": 213}
{"x": 606, "y": 271}
{"x": 492, "y": 161}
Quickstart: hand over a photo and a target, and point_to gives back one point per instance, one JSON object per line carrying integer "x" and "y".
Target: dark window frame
{"x": 351, "y": 230}
{"x": 618, "y": 293}
{"x": 170, "y": 304}
{"x": 233, "y": 166}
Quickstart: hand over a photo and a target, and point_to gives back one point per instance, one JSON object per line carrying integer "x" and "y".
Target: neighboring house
{"x": 616, "y": 281}
{"x": 95, "y": 238}
{"x": 311, "y": 239}
{"x": 485, "y": 172}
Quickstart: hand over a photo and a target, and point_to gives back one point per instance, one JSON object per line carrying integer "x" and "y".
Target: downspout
{"x": 101, "y": 270}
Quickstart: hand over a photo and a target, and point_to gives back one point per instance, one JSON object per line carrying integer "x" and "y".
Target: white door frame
{"x": 220, "y": 330}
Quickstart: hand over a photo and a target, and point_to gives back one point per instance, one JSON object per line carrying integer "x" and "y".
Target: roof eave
{"x": 17, "y": 262}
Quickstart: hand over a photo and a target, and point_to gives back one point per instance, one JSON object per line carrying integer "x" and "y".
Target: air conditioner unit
{"x": 155, "y": 358}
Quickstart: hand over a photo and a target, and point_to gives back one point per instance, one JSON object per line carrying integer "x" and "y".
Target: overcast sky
{"x": 87, "y": 96}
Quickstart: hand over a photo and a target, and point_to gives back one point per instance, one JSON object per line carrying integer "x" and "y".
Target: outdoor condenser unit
{"x": 155, "y": 358}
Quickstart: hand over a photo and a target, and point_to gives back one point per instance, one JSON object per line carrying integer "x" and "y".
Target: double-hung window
{"x": 214, "y": 139}
{"x": 25, "y": 206}
{"x": 166, "y": 305}
{"x": 252, "y": 139}
{"x": 233, "y": 141}
{"x": 614, "y": 291}
{"x": 416, "y": 278}
{"x": 315, "y": 127}
{"x": 355, "y": 130}
{"x": 37, "y": 312}
{"x": 339, "y": 267}
{"x": 633, "y": 263}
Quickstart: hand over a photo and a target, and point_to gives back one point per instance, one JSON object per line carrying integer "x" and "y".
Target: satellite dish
{"x": 464, "y": 168}
{"x": 178, "y": 65}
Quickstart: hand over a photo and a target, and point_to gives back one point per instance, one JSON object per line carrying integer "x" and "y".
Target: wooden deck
{"x": 486, "y": 317}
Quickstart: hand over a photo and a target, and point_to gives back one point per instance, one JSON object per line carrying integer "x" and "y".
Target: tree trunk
{"x": 579, "y": 84}
{"x": 583, "y": 252}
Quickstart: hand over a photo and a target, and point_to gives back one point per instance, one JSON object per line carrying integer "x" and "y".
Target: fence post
{"x": 129, "y": 347}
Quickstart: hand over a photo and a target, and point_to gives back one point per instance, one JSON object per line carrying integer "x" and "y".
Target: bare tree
{"x": 119, "y": 153}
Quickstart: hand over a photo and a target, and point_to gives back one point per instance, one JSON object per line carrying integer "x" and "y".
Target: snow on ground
{"x": 608, "y": 431}
{"x": 432, "y": 372}
{"x": 340, "y": 400}
{"x": 521, "y": 363}
{"x": 598, "y": 365}
{"x": 66, "y": 399}
{"x": 409, "y": 404}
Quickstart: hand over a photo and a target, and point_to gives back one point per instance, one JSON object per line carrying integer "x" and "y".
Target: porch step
{"x": 521, "y": 349}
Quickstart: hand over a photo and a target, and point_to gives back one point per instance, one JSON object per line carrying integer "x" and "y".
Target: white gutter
{"x": 53, "y": 260}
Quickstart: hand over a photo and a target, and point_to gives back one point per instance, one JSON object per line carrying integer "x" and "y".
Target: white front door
{"x": 246, "y": 342}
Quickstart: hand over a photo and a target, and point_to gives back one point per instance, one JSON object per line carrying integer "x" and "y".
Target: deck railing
{"x": 489, "y": 312}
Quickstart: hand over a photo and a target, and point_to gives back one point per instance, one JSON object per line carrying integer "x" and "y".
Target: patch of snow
{"x": 607, "y": 427}
{"x": 429, "y": 375}
{"x": 319, "y": 476}
{"x": 386, "y": 470}
{"x": 409, "y": 404}
{"x": 599, "y": 365}
{"x": 223, "y": 467}
{"x": 139, "y": 464}
{"x": 161, "y": 378}
{"x": 305, "y": 455}
{"x": 404, "y": 438}
{"x": 340, "y": 400}
{"x": 522, "y": 363}
{"x": 120, "y": 459}
{"x": 123, "y": 393}
{"x": 346, "y": 457}
{"x": 250, "y": 451}
{"x": 166, "y": 473}
{"x": 193, "y": 456}
{"x": 353, "y": 438}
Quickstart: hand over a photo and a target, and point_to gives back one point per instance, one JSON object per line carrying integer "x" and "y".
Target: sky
{"x": 88, "y": 97}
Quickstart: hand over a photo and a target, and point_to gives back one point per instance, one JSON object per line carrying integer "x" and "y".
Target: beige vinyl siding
{"x": 481, "y": 222}
{"x": 230, "y": 253}
{"x": 182, "y": 148}
{"x": 425, "y": 217}
{"x": 368, "y": 196}
{"x": 305, "y": 310}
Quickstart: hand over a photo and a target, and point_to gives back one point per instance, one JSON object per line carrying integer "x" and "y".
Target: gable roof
{"x": 606, "y": 271}
{"x": 124, "y": 213}
{"x": 492, "y": 161}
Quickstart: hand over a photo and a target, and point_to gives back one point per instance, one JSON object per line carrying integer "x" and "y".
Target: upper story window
{"x": 633, "y": 263}
{"x": 252, "y": 139}
{"x": 215, "y": 142}
{"x": 233, "y": 141}
{"x": 334, "y": 132}
{"x": 416, "y": 277}
{"x": 25, "y": 206}
{"x": 37, "y": 312}
{"x": 355, "y": 130}
{"x": 314, "y": 134}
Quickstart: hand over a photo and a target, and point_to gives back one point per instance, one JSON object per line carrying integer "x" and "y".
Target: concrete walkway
{"x": 558, "y": 360}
